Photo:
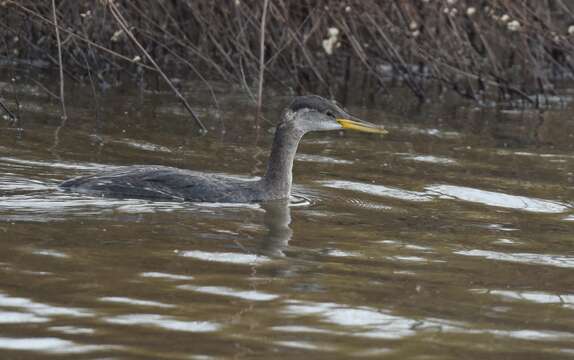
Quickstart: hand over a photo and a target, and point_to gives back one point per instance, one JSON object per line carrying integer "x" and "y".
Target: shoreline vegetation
{"x": 495, "y": 50}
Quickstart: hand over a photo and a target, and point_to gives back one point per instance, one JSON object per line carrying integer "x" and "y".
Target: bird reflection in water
{"x": 277, "y": 220}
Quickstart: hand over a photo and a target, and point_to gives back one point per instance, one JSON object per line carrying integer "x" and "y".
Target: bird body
{"x": 167, "y": 184}
{"x": 305, "y": 113}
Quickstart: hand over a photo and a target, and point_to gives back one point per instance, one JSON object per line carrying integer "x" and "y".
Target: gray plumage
{"x": 304, "y": 114}
{"x": 165, "y": 183}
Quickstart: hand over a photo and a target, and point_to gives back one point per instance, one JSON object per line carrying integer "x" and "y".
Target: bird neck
{"x": 279, "y": 175}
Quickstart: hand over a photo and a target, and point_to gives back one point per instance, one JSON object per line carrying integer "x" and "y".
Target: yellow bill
{"x": 360, "y": 125}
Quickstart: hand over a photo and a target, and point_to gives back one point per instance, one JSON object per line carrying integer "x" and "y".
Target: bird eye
{"x": 330, "y": 114}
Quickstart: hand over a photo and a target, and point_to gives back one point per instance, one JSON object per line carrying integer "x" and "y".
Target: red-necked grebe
{"x": 304, "y": 114}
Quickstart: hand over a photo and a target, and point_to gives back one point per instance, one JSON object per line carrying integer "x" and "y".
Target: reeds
{"x": 482, "y": 50}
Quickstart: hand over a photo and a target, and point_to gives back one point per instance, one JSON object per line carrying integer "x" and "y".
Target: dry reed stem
{"x": 8, "y": 112}
{"x": 464, "y": 45}
{"x": 61, "y": 67}
{"x": 76, "y": 36}
{"x": 261, "y": 58}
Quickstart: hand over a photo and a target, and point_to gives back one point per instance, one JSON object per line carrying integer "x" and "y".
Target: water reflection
{"x": 453, "y": 192}
{"x": 563, "y": 261}
{"x": 41, "y": 309}
{"x": 135, "y": 302}
{"x": 225, "y": 257}
{"x": 72, "y": 330}
{"x": 12, "y": 317}
{"x": 497, "y": 199}
{"x": 50, "y": 345}
{"x": 378, "y": 190}
{"x": 251, "y": 295}
{"x": 532, "y": 296}
{"x": 142, "y": 145}
{"x": 321, "y": 159}
{"x": 277, "y": 220}
{"x": 159, "y": 275}
{"x": 12, "y": 162}
{"x": 164, "y": 322}
{"x": 365, "y": 321}
{"x": 431, "y": 159}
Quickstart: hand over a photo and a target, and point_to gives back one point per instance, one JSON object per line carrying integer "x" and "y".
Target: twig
{"x": 123, "y": 24}
{"x": 62, "y": 99}
{"x": 191, "y": 66}
{"x": 261, "y": 59}
{"x": 8, "y": 112}
{"x": 46, "y": 90}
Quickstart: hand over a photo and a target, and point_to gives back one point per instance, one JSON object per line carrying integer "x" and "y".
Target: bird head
{"x": 314, "y": 113}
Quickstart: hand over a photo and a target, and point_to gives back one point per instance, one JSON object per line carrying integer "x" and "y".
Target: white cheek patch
{"x": 289, "y": 115}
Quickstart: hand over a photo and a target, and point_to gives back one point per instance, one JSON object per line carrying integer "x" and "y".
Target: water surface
{"x": 450, "y": 238}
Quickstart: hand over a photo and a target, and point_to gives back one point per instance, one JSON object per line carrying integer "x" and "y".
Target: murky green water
{"x": 450, "y": 238}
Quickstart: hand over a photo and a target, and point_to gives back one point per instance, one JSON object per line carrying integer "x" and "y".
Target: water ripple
{"x": 10, "y": 183}
{"x": 453, "y": 192}
{"x": 56, "y": 164}
{"x": 232, "y": 258}
{"x": 252, "y": 295}
{"x": 539, "y": 297}
{"x": 498, "y": 199}
{"x": 167, "y": 276}
{"x": 562, "y": 261}
{"x": 367, "y": 322}
{"x": 13, "y": 317}
{"x": 50, "y": 345}
{"x": 431, "y": 159}
{"x": 136, "y": 302}
{"x": 41, "y": 309}
{"x": 321, "y": 159}
{"x": 163, "y": 322}
{"x": 378, "y": 190}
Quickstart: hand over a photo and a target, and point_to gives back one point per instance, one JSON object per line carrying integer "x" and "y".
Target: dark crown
{"x": 314, "y": 102}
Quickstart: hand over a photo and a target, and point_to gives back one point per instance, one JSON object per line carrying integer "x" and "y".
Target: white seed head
{"x": 505, "y": 18}
{"x": 451, "y": 2}
{"x": 331, "y": 42}
{"x": 347, "y": 9}
{"x": 333, "y": 32}
{"x": 117, "y": 36}
{"x": 514, "y": 25}
{"x": 328, "y": 46}
{"x": 571, "y": 30}
{"x": 413, "y": 25}
{"x": 470, "y": 11}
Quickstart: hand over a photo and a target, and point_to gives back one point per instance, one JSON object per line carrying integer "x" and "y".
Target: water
{"x": 451, "y": 237}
